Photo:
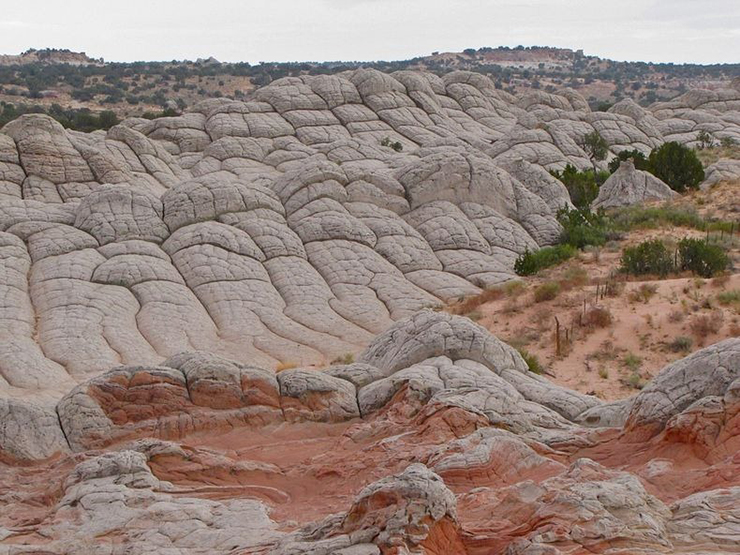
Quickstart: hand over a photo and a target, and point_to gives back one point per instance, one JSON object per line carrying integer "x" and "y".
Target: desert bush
{"x": 546, "y": 292}
{"x": 583, "y": 186}
{"x": 574, "y": 276}
{"x": 676, "y": 165}
{"x": 638, "y": 158}
{"x": 704, "y": 139}
{"x": 595, "y": 146}
{"x": 703, "y": 325}
{"x": 681, "y": 344}
{"x": 643, "y": 293}
{"x": 635, "y": 381}
{"x": 597, "y": 317}
{"x": 649, "y": 257}
{"x": 649, "y": 217}
{"x": 603, "y": 373}
{"x": 729, "y": 297}
{"x": 533, "y": 363}
{"x": 581, "y": 227}
{"x": 532, "y": 262}
{"x": 632, "y": 361}
{"x": 702, "y": 258}
{"x": 475, "y": 315}
{"x": 676, "y": 316}
{"x": 395, "y": 145}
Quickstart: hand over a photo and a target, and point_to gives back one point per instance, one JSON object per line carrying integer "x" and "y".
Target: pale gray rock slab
{"x": 117, "y": 494}
{"x": 710, "y": 519}
{"x": 722, "y": 170}
{"x": 45, "y": 150}
{"x": 708, "y": 372}
{"x": 357, "y": 373}
{"x": 29, "y": 432}
{"x": 312, "y": 395}
{"x": 607, "y": 415}
{"x": 628, "y": 186}
{"x": 566, "y": 402}
{"x": 117, "y": 213}
{"x": 428, "y": 334}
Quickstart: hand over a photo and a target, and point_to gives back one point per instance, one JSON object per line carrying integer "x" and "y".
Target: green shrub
{"x": 583, "y": 187}
{"x": 547, "y": 291}
{"x": 729, "y": 297}
{"x": 643, "y": 293}
{"x": 676, "y": 165}
{"x": 702, "y": 258}
{"x": 532, "y": 262}
{"x": 595, "y": 146}
{"x": 632, "y": 361}
{"x": 581, "y": 227}
{"x": 533, "y": 363}
{"x": 651, "y": 217}
{"x": 638, "y": 158}
{"x": 395, "y": 145}
{"x": 635, "y": 381}
{"x": 704, "y": 139}
{"x": 649, "y": 257}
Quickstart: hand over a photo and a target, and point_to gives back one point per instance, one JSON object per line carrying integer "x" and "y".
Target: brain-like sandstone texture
{"x": 279, "y": 231}
{"x": 176, "y": 297}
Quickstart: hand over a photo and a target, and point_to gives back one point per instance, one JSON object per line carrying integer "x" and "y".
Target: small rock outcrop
{"x": 628, "y": 186}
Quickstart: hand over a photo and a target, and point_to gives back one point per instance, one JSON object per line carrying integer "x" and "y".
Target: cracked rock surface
{"x": 437, "y": 441}
{"x": 219, "y": 334}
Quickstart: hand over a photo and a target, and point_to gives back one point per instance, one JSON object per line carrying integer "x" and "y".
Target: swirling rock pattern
{"x": 173, "y": 293}
{"x": 438, "y": 441}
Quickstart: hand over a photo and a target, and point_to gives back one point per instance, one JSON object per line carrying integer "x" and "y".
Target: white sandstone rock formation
{"x": 628, "y": 186}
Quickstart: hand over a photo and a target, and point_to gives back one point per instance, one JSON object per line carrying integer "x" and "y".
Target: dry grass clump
{"x": 681, "y": 344}
{"x": 703, "y": 325}
{"x": 285, "y": 366}
{"x": 346, "y": 358}
{"x": 597, "y": 317}
{"x": 643, "y": 293}
{"x": 729, "y": 297}
{"x": 675, "y": 316}
{"x": 574, "y": 276}
{"x": 475, "y": 315}
{"x": 709, "y": 156}
{"x": 547, "y": 291}
{"x": 635, "y": 381}
{"x": 511, "y": 290}
{"x": 632, "y": 361}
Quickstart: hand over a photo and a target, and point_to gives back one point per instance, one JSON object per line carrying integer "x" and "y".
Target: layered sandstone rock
{"x": 173, "y": 293}
{"x": 438, "y": 441}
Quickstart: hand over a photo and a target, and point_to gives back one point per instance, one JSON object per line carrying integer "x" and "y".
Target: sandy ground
{"x": 646, "y": 318}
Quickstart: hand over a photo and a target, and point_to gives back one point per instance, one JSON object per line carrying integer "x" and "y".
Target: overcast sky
{"x": 700, "y": 31}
